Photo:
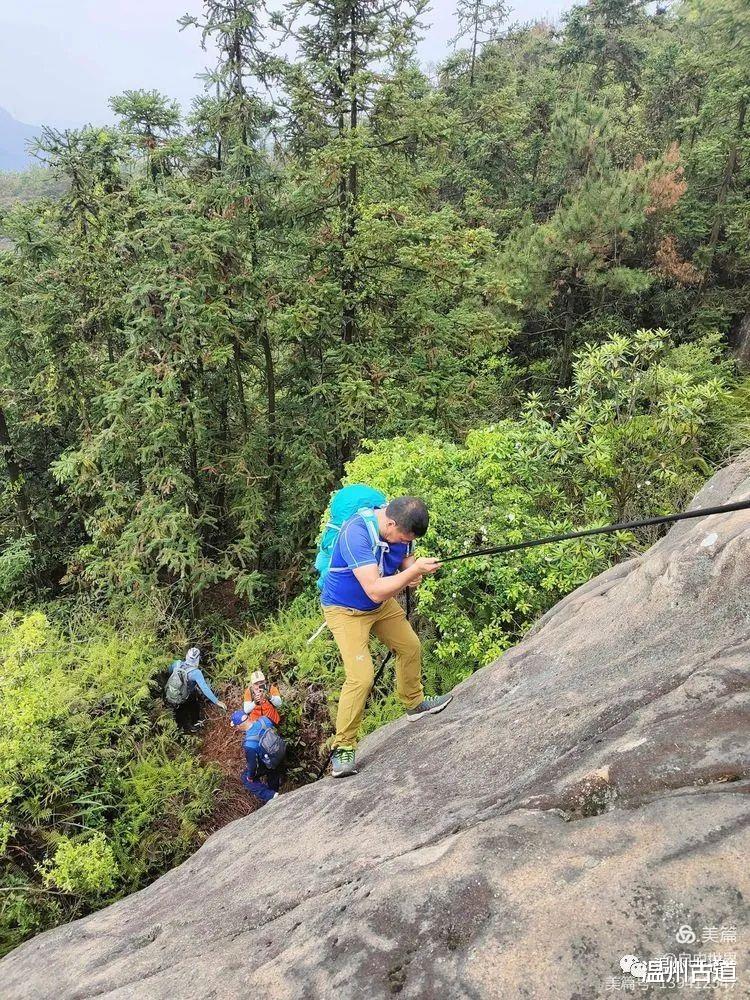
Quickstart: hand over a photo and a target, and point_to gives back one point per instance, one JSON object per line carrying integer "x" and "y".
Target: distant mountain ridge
{"x": 14, "y": 137}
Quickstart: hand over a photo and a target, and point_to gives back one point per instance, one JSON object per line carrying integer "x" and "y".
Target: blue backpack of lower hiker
{"x": 345, "y": 503}
{"x": 271, "y": 748}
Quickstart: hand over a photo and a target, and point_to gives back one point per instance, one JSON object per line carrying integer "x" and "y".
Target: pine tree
{"x": 608, "y": 35}
{"x": 240, "y": 118}
{"x": 479, "y": 20}
{"x": 345, "y": 48}
{"x": 231, "y": 108}
{"x": 149, "y": 121}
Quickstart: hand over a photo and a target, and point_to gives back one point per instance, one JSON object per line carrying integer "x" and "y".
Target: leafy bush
{"x": 84, "y": 867}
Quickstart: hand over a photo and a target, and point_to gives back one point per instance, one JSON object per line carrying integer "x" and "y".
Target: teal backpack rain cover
{"x": 345, "y": 503}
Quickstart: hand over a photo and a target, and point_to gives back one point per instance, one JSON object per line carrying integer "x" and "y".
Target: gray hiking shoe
{"x": 342, "y": 762}
{"x": 430, "y": 706}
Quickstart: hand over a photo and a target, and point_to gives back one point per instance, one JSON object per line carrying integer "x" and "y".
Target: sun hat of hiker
{"x": 257, "y": 677}
{"x": 238, "y": 717}
{"x": 193, "y": 656}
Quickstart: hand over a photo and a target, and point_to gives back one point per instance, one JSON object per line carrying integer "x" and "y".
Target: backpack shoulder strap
{"x": 379, "y": 546}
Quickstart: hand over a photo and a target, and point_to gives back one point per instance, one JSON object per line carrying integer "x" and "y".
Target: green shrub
{"x": 635, "y": 435}
{"x": 86, "y": 868}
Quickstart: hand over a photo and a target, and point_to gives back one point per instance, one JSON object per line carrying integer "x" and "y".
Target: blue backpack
{"x": 345, "y": 503}
{"x": 272, "y": 748}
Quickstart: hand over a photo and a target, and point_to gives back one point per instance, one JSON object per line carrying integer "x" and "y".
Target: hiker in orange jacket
{"x": 262, "y": 700}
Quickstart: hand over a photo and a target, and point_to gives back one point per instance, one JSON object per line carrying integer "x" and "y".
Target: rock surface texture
{"x": 580, "y": 799}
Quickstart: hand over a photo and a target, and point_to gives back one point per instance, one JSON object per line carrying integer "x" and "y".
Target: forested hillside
{"x": 514, "y": 288}
{"x": 29, "y": 185}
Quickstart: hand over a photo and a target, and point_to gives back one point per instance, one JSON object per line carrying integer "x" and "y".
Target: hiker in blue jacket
{"x": 181, "y": 691}
{"x": 253, "y": 729}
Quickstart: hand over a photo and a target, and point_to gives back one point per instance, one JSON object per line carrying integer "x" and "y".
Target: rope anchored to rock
{"x": 551, "y": 539}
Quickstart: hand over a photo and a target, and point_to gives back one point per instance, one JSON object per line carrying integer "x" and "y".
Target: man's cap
{"x": 238, "y": 717}
{"x": 193, "y": 656}
{"x": 257, "y": 677}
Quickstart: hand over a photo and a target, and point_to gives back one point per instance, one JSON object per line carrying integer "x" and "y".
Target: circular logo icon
{"x": 685, "y": 935}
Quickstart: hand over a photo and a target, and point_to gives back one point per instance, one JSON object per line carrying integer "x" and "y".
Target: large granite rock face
{"x": 579, "y": 801}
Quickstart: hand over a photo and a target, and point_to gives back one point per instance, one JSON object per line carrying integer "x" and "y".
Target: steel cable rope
{"x": 606, "y": 530}
{"x": 552, "y": 539}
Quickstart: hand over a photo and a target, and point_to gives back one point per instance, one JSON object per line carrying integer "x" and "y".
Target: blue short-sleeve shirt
{"x": 352, "y": 550}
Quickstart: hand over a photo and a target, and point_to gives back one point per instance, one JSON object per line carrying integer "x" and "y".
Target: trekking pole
{"x": 381, "y": 668}
{"x": 324, "y": 765}
{"x": 606, "y": 530}
{"x": 317, "y": 632}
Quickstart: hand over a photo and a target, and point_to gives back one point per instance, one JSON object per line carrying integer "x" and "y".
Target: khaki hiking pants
{"x": 351, "y": 629}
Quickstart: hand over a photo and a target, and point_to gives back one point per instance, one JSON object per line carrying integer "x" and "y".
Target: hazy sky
{"x": 60, "y": 60}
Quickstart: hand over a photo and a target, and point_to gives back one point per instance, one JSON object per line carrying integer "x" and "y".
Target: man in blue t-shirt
{"x": 371, "y": 564}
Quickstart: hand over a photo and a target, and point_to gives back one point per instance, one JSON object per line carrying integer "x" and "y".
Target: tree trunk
{"x": 274, "y": 499}
{"x": 220, "y": 535}
{"x": 566, "y": 361}
{"x": 348, "y": 203}
{"x": 237, "y": 354}
{"x": 15, "y": 475}
{"x": 351, "y": 194}
{"x": 724, "y": 188}
{"x": 218, "y": 137}
{"x": 191, "y": 452}
{"x": 474, "y": 45}
{"x": 741, "y": 345}
{"x": 694, "y": 126}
